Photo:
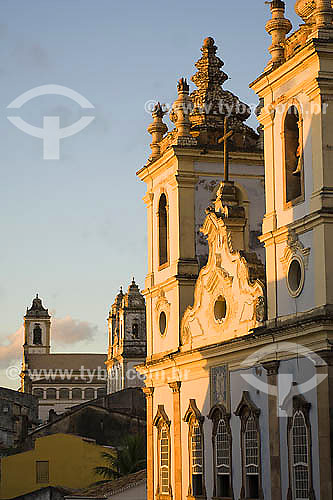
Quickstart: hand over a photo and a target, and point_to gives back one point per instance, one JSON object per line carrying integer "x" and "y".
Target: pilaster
{"x": 272, "y": 369}
{"x": 149, "y": 391}
{"x": 177, "y": 442}
{"x": 325, "y": 425}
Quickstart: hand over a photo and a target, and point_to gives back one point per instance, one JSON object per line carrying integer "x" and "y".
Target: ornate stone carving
{"x": 219, "y": 383}
{"x": 294, "y": 247}
{"x": 261, "y": 309}
{"x": 230, "y": 276}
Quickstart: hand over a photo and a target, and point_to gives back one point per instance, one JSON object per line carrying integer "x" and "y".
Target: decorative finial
{"x": 323, "y": 14}
{"x": 183, "y": 86}
{"x": 181, "y": 109}
{"x": 278, "y": 27}
{"x": 209, "y": 42}
{"x": 36, "y": 295}
{"x": 157, "y": 129}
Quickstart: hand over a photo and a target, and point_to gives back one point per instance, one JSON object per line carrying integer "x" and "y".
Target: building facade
{"x": 127, "y": 339}
{"x": 18, "y": 416}
{"x": 59, "y": 460}
{"x": 239, "y": 377}
{"x": 59, "y": 381}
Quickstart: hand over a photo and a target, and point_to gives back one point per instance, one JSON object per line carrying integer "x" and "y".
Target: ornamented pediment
{"x": 229, "y": 293}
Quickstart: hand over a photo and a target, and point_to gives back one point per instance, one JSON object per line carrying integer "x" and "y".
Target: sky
{"x": 73, "y": 229}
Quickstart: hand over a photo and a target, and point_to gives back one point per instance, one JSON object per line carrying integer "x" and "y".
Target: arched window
{"x": 251, "y": 452}
{"x": 164, "y": 461}
{"x": 37, "y": 334}
{"x": 162, "y": 423}
{"x": 39, "y": 393}
{"x": 76, "y": 393}
{"x": 292, "y": 134}
{"x": 250, "y": 444}
{"x": 222, "y": 458}
{"x": 89, "y": 393}
{"x": 63, "y": 393}
{"x": 51, "y": 393}
{"x": 300, "y": 463}
{"x": 196, "y": 450}
{"x": 163, "y": 230}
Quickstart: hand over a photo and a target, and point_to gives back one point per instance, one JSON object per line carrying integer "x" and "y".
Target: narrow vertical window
{"x": 248, "y": 413}
{"x": 164, "y": 461}
{"x": 223, "y": 453}
{"x": 162, "y": 423}
{"x": 251, "y": 448}
{"x": 293, "y": 155}
{"x": 163, "y": 230}
{"x": 300, "y": 453}
{"x": 195, "y": 420}
{"x": 197, "y": 460}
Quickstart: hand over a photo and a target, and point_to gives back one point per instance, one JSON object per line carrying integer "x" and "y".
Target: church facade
{"x": 239, "y": 367}
{"x": 60, "y": 381}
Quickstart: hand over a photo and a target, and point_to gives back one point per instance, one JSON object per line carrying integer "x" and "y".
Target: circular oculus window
{"x": 162, "y": 323}
{"x": 220, "y": 308}
{"x": 295, "y": 276}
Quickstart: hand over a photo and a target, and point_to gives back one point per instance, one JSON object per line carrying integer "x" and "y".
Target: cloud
{"x": 64, "y": 331}
{"x": 71, "y": 331}
{"x": 12, "y": 351}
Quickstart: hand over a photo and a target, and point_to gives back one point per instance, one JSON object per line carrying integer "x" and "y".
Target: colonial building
{"x": 18, "y": 416}
{"x": 127, "y": 339}
{"x": 239, "y": 377}
{"x": 58, "y": 380}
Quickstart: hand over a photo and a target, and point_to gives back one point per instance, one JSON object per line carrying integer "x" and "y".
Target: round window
{"x": 295, "y": 277}
{"x": 162, "y": 322}
{"x": 220, "y": 308}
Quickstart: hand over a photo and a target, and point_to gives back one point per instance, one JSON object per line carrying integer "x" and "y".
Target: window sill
{"x": 163, "y": 496}
{"x": 164, "y": 266}
{"x": 286, "y": 206}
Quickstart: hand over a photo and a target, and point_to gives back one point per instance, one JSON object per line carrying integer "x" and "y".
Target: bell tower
{"x": 127, "y": 339}
{"x": 182, "y": 175}
{"x": 37, "y": 324}
{"x": 296, "y": 89}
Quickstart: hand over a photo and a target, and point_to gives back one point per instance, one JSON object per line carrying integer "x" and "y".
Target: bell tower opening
{"x": 163, "y": 230}
{"x": 37, "y": 334}
{"x": 293, "y": 155}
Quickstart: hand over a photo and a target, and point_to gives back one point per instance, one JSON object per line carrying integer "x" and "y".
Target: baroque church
{"x": 239, "y": 294}
{"x": 61, "y": 381}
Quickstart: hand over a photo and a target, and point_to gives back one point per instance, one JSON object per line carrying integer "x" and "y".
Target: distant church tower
{"x": 127, "y": 339}
{"x": 37, "y": 323}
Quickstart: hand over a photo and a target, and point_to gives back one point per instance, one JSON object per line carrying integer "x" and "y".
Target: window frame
{"x": 38, "y": 480}
{"x": 300, "y": 405}
{"x": 165, "y": 264}
{"x": 162, "y": 423}
{"x": 299, "y": 199}
{"x": 246, "y": 410}
{"x": 194, "y": 419}
{"x": 217, "y": 414}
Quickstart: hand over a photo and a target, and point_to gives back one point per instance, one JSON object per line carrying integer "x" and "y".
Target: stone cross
{"x": 225, "y": 139}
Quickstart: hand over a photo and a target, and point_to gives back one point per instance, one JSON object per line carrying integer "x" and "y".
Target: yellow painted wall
{"x": 71, "y": 463}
